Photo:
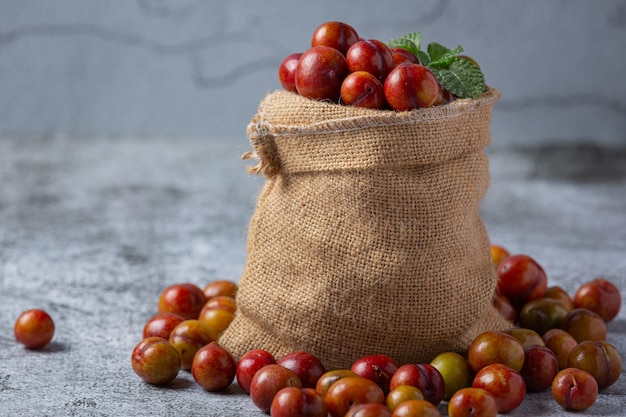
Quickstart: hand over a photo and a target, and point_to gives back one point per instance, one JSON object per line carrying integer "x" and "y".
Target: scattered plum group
{"x": 183, "y": 334}
{"x": 563, "y": 337}
{"x": 562, "y": 348}
{"x": 341, "y": 67}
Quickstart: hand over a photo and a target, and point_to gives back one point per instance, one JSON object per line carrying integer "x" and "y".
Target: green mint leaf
{"x": 407, "y": 44}
{"x": 423, "y": 58}
{"x": 442, "y": 56}
{"x": 415, "y": 38}
{"x": 411, "y": 41}
{"x": 436, "y": 51}
{"x": 462, "y": 78}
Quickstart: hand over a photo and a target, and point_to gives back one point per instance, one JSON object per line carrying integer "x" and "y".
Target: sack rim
{"x": 362, "y": 118}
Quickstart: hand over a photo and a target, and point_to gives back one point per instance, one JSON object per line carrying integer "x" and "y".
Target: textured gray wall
{"x": 191, "y": 68}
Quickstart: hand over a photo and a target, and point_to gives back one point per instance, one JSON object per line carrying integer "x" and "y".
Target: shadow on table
{"x": 582, "y": 163}
{"x": 180, "y": 383}
{"x": 55, "y": 347}
{"x": 617, "y": 326}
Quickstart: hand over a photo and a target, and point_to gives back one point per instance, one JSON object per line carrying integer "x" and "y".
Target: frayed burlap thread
{"x": 366, "y": 237}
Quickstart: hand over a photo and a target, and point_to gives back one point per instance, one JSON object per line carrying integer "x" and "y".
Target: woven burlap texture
{"x": 367, "y": 237}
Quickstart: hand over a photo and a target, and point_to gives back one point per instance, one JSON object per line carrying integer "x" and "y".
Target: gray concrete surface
{"x": 93, "y": 230}
{"x": 191, "y": 68}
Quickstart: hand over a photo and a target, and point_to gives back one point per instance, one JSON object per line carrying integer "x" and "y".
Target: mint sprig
{"x": 455, "y": 73}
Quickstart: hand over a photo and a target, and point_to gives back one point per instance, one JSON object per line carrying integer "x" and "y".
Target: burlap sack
{"x": 367, "y": 237}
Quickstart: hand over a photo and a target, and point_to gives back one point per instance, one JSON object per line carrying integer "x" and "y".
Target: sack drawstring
{"x": 265, "y": 150}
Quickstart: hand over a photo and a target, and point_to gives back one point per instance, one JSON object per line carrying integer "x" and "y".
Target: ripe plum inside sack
{"x": 366, "y": 237}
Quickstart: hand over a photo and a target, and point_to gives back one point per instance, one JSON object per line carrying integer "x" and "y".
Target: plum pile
{"x": 341, "y": 67}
